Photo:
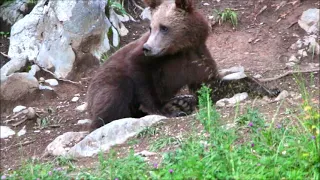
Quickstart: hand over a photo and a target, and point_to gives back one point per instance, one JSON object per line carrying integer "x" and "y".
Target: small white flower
{"x": 284, "y": 152}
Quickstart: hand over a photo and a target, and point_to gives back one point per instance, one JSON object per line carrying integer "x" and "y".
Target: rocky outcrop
{"x": 58, "y": 35}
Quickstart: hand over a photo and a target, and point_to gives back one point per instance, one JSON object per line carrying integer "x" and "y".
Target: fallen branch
{"x": 17, "y": 145}
{"x": 261, "y": 10}
{"x": 288, "y": 73}
{"x": 5, "y": 55}
{"x": 64, "y": 80}
{"x": 20, "y": 122}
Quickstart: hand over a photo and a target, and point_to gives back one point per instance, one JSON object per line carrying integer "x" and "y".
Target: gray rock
{"x": 82, "y": 107}
{"x": 22, "y": 132}
{"x": 57, "y": 32}
{"x": 284, "y": 94}
{"x": 18, "y": 109}
{"x": 146, "y": 14}
{"x": 297, "y": 45}
{"x": 114, "y": 133}
{"x": 309, "y": 20}
{"x": 75, "y": 99}
{"x": 234, "y": 76}
{"x": 233, "y": 100}
{"x": 294, "y": 59}
{"x": 145, "y": 153}
{"x": 41, "y": 87}
{"x": 52, "y": 82}
{"x": 62, "y": 144}
{"x": 33, "y": 70}
{"x": 18, "y": 86}
{"x": 235, "y": 69}
{"x": 302, "y": 53}
{"x": 12, "y": 11}
{"x": 290, "y": 64}
{"x": 6, "y": 132}
{"x": 257, "y": 76}
{"x": 31, "y": 114}
{"x": 84, "y": 121}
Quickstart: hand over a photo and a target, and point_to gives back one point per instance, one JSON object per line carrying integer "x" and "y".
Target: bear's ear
{"x": 186, "y": 5}
{"x": 153, "y": 3}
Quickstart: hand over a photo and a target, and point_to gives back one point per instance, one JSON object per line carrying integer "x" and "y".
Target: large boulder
{"x": 309, "y": 21}
{"x": 12, "y": 11}
{"x": 59, "y": 35}
{"x": 17, "y": 86}
{"x": 114, "y": 133}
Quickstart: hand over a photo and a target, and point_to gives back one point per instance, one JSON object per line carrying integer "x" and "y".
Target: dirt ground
{"x": 229, "y": 47}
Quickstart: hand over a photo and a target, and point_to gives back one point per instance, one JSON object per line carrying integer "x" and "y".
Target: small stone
{"x": 18, "y": 109}
{"x": 290, "y": 64}
{"x": 229, "y": 126}
{"x": 22, "y": 131}
{"x": 206, "y": 4}
{"x": 309, "y": 20}
{"x": 52, "y": 82}
{"x": 6, "y": 132}
{"x": 77, "y": 95}
{"x": 33, "y": 70}
{"x": 41, "y": 79}
{"x": 84, "y": 121}
{"x": 295, "y": 35}
{"x": 221, "y": 103}
{"x": 282, "y": 95}
{"x": 145, "y": 153}
{"x": 257, "y": 76}
{"x": 82, "y": 107}
{"x": 75, "y": 99}
{"x": 302, "y": 53}
{"x": 45, "y": 87}
{"x": 294, "y": 59}
{"x": 31, "y": 114}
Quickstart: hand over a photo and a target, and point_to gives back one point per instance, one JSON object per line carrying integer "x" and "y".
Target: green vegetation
{"x": 267, "y": 150}
{"x": 4, "y": 34}
{"x": 228, "y": 15}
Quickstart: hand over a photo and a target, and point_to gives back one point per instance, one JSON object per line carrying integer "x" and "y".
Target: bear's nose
{"x": 146, "y": 48}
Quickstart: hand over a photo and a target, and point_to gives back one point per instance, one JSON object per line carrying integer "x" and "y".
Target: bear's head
{"x": 175, "y": 26}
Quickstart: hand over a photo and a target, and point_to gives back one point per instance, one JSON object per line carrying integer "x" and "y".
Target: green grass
{"x": 228, "y": 15}
{"x": 289, "y": 150}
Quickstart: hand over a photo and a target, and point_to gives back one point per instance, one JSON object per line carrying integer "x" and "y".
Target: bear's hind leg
{"x": 111, "y": 103}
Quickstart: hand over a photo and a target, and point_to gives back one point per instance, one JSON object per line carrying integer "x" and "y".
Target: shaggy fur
{"x": 143, "y": 76}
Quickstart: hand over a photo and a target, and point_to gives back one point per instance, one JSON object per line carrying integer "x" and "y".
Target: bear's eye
{"x": 163, "y": 29}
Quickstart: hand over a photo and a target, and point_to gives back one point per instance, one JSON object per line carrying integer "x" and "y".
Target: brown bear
{"x": 144, "y": 76}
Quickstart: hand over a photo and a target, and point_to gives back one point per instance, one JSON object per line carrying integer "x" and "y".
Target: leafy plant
{"x": 147, "y": 132}
{"x": 4, "y": 34}
{"x": 228, "y": 15}
{"x": 164, "y": 142}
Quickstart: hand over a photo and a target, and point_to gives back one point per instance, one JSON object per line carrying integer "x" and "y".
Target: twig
{"x": 261, "y": 10}
{"x": 17, "y": 145}
{"x": 288, "y": 73}
{"x": 20, "y": 122}
{"x": 292, "y": 24}
{"x": 135, "y": 4}
{"x": 65, "y": 80}
{"x": 5, "y": 55}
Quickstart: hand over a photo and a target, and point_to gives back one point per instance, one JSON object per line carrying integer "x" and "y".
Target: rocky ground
{"x": 260, "y": 43}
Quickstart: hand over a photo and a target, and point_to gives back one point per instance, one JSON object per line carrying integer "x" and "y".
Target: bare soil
{"x": 229, "y": 47}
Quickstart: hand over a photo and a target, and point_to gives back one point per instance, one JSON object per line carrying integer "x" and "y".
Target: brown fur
{"x": 144, "y": 76}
